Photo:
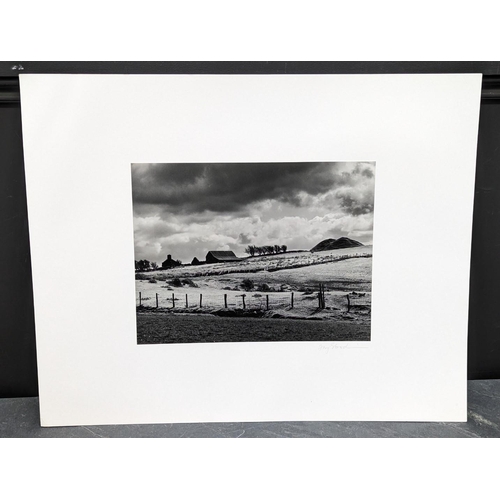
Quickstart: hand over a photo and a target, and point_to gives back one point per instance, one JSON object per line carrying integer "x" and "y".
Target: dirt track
{"x": 161, "y": 328}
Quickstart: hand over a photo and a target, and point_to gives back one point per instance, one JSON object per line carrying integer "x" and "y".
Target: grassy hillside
{"x": 271, "y": 263}
{"x": 266, "y": 284}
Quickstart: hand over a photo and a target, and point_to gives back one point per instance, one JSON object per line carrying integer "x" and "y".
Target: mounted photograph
{"x": 253, "y": 252}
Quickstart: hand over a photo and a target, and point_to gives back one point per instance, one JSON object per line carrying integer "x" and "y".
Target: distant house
{"x": 195, "y": 262}
{"x": 169, "y": 263}
{"x": 214, "y": 257}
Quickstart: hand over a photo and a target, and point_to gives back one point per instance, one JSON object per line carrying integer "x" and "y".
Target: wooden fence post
{"x": 321, "y": 296}
{"x": 348, "y": 303}
{"x": 292, "y": 300}
{"x": 187, "y": 305}
{"x": 243, "y": 297}
{"x": 140, "y": 299}
{"x": 225, "y": 300}
{"x": 267, "y": 302}
{"x": 173, "y": 300}
{"x": 201, "y": 298}
{"x": 156, "y": 301}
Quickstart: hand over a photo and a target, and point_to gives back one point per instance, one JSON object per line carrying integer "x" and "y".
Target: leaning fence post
{"x": 321, "y": 296}
{"x": 140, "y": 299}
{"x": 201, "y": 298}
{"x": 157, "y": 301}
{"x": 225, "y": 300}
{"x": 292, "y": 300}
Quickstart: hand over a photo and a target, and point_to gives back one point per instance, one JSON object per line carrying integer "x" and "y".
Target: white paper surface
{"x": 81, "y": 134}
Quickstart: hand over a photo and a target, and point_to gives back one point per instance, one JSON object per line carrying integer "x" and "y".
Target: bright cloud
{"x": 291, "y": 209}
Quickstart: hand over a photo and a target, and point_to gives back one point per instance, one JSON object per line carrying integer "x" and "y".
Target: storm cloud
{"x": 188, "y": 209}
{"x": 231, "y": 187}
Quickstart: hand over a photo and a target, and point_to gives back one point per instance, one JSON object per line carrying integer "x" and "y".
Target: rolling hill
{"x": 333, "y": 244}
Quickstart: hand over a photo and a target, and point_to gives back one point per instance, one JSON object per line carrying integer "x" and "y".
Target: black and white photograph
{"x": 253, "y": 252}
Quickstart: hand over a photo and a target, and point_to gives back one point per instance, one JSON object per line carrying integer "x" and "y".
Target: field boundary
{"x": 270, "y": 268}
{"x": 195, "y": 302}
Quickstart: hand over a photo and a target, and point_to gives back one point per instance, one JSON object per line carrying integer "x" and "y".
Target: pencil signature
{"x": 334, "y": 347}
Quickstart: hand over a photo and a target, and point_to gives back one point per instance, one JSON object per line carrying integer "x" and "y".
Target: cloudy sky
{"x": 187, "y": 209}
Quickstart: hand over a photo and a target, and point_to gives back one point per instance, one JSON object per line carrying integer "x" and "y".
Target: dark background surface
{"x": 17, "y": 330}
{"x": 20, "y": 418}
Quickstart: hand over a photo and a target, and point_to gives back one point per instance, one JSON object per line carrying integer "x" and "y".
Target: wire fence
{"x": 321, "y": 299}
{"x": 227, "y": 301}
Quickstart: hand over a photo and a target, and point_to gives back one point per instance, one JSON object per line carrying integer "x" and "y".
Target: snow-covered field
{"x": 272, "y": 283}
{"x": 264, "y": 263}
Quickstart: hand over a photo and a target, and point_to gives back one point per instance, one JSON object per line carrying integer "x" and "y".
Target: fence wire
{"x": 322, "y": 299}
{"x": 226, "y": 301}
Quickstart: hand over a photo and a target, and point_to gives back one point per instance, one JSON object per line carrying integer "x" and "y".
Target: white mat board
{"x": 82, "y": 132}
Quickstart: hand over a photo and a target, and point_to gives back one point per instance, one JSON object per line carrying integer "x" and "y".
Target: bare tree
{"x": 265, "y": 249}
{"x": 250, "y": 250}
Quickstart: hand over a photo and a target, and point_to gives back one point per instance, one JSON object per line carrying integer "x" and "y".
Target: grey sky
{"x": 188, "y": 209}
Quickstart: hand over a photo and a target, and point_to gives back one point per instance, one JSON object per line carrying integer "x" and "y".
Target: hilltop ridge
{"x": 334, "y": 244}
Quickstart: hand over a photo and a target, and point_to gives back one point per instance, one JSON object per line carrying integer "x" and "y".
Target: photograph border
{"x": 316, "y": 287}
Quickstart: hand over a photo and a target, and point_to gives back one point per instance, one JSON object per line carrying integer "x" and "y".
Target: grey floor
{"x": 19, "y": 419}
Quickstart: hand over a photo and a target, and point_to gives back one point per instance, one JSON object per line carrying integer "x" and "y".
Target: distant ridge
{"x": 332, "y": 244}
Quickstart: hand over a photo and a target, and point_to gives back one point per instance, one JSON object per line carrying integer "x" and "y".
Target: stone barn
{"x": 169, "y": 263}
{"x": 220, "y": 256}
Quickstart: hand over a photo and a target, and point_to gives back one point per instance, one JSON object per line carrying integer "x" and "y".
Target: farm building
{"x": 169, "y": 263}
{"x": 195, "y": 262}
{"x": 214, "y": 257}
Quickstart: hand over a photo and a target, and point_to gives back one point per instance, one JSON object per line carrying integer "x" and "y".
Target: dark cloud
{"x": 355, "y": 205}
{"x": 357, "y": 196}
{"x": 225, "y": 188}
{"x": 364, "y": 169}
{"x": 244, "y": 239}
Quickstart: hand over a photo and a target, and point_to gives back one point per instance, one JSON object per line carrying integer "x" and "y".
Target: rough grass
{"x": 162, "y": 328}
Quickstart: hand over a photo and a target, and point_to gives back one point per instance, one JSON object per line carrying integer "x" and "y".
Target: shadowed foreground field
{"x": 167, "y": 328}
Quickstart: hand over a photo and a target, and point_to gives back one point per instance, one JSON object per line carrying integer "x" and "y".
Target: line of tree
{"x": 265, "y": 249}
{"x": 145, "y": 265}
